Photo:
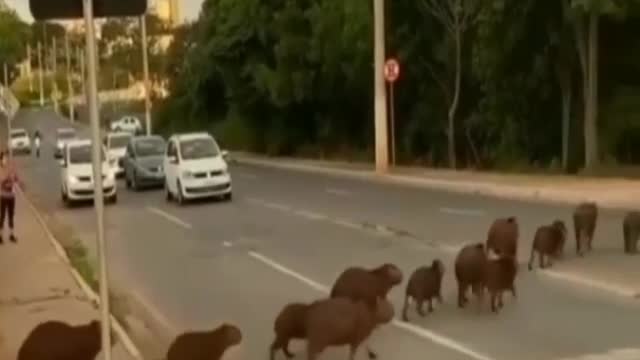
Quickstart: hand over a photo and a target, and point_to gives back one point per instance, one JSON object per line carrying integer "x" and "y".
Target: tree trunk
{"x": 456, "y": 96}
{"x": 566, "y": 121}
{"x": 590, "y": 126}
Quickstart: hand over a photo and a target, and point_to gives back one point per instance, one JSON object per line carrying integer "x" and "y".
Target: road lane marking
{"x": 158, "y": 316}
{"x": 338, "y": 192}
{"x": 310, "y": 215}
{"x": 415, "y": 330}
{"x": 464, "y": 212}
{"x": 585, "y": 281}
{"x": 277, "y": 206}
{"x": 614, "y": 354}
{"x": 227, "y": 244}
{"x": 169, "y": 217}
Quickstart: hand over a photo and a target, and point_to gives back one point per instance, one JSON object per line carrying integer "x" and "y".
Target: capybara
{"x": 341, "y": 321}
{"x": 204, "y": 345}
{"x": 55, "y": 340}
{"x": 548, "y": 241}
{"x": 631, "y": 230}
{"x": 500, "y": 275}
{"x": 290, "y": 324}
{"x": 585, "y": 218}
{"x": 424, "y": 284}
{"x": 469, "y": 268}
{"x": 503, "y": 235}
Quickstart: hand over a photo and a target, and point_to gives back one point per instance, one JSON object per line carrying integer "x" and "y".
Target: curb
{"x": 117, "y": 327}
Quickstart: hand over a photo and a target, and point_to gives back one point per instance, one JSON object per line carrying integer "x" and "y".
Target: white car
{"x": 116, "y": 144}
{"x": 129, "y": 124}
{"x": 195, "y": 168}
{"x": 62, "y": 136}
{"x": 20, "y": 141}
{"x": 76, "y": 173}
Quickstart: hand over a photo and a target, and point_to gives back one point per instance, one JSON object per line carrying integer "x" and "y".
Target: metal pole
{"x": 393, "y": 124}
{"x": 69, "y": 83}
{"x": 54, "y": 89}
{"x": 29, "y": 73}
{"x": 145, "y": 67}
{"x": 380, "y": 102}
{"x": 40, "y": 74}
{"x": 96, "y": 145}
{"x": 6, "y": 83}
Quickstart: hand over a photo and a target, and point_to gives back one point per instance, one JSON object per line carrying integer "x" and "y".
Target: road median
{"x": 613, "y": 193}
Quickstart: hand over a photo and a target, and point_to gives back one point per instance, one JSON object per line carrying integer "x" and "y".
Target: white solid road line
{"x": 465, "y": 212}
{"x": 585, "y": 281}
{"x": 338, "y": 192}
{"x": 169, "y": 217}
{"x": 614, "y": 354}
{"x": 415, "y": 330}
{"x": 158, "y": 316}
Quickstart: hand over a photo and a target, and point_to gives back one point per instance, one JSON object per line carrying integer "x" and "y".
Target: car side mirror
{"x": 224, "y": 153}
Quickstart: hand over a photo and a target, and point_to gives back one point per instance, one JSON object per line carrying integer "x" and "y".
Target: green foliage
{"x": 290, "y": 77}
{"x": 14, "y": 34}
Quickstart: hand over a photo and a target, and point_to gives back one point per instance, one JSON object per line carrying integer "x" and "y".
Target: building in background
{"x": 167, "y": 10}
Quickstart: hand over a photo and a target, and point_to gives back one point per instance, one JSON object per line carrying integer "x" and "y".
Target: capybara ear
{"x": 394, "y": 273}
{"x": 480, "y": 246}
{"x": 512, "y": 219}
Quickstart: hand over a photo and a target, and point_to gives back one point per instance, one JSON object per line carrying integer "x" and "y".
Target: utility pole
{"x": 29, "y": 73}
{"x": 96, "y": 147}
{"x": 380, "y": 102}
{"x": 40, "y": 74}
{"x": 6, "y": 84}
{"x": 6, "y": 75}
{"x": 54, "y": 89}
{"x": 69, "y": 83}
{"x": 145, "y": 67}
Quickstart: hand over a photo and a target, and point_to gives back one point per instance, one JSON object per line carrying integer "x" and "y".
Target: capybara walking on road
{"x": 290, "y": 324}
{"x": 424, "y": 284}
{"x": 341, "y": 321}
{"x": 548, "y": 242}
{"x": 500, "y": 275}
{"x": 503, "y": 235}
{"x": 585, "y": 218}
{"x": 631, "y": 230}
{"x": 204, "y": 345}
{"x": 469, "y": 268}
{"x": 55, "y": 340}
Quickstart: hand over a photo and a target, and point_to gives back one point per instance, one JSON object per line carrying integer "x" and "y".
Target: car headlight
{"x": 73, "y": 180}
{"x": 187, "y": 174}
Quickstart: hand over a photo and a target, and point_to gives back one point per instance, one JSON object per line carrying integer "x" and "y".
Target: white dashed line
{"x": 618, "y": 290}
{"x": 277, "y": 206}
{"x": 158, "y": 316}
{"x": 465, "y": 212}
{"x": 170, "y": 217}
{"x": 338, "y": 192}
{"x": 415, "y": 330}
{"x": 310, "y": 215}
{"x": 347, "y": 223}
{"x": 227, "y": 244}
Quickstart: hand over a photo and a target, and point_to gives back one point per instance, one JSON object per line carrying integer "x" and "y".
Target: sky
{"x": 190, "y": 8}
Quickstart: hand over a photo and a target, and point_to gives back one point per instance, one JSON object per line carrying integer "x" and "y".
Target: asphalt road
{"x": 287, "y": 235}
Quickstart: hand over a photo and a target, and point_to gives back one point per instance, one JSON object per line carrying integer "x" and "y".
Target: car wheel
{"x": 65, "y": 199}
{"x": 179, "y": 195}
{"x": 113, "y": 199}
{"x": 228, "y": 196}
{"x": 168, "y": 195}
{"x": 134, "y": 182}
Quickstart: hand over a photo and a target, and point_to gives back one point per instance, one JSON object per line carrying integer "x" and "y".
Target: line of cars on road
{"x": 188, "y": 166}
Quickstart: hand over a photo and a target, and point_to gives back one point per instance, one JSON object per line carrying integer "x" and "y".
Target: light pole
{"x": 69, "y": 83}
{"x": 145, "y": 69}
{"x": 54, "y": 90}
{"x": 96, "y": 147}
{"x": 40, "y": 74}
{"x": 380, "y": 102}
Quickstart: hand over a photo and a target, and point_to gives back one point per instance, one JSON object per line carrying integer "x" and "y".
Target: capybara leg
{"x": 312, "y": 351}
{"x": 440, "y": 298}
{"x": 372, "y": 354}
{"x": 500, "y": 302}
{"x": 492, "y": 298}
{"x": 462, "y": 299}
{"x": 513, "y": 290}
{"x": 404, "y": 308}
{"x": 431, "y": 305}
{"x": 541, "y": 260}
{"x": 274, "y": 347}
{"x": 420, "y": 307}
{"x": 287, "y": 352}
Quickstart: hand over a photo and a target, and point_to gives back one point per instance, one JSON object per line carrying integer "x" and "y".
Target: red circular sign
{"x": 391, "y": 70}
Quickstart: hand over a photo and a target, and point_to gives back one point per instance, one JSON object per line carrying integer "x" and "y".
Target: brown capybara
{"x": 500, "y": 275}
{"x": 548, "y": 241}
{"x": 290, "y": 324}
{"x": 341, "y": 321}
{"x": 469, "y": 268}
{"x": 503, "y": 235}
{"x": 585, "y": 218}
{"x": 631, "y": 231}
{"x": 54, "y": 340}
{"x": 424, "y": 284}
{"x": 204, "y": 345}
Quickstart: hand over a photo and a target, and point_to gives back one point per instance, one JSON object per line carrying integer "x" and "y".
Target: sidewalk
{"x": 607, "y": 192}
{"x": 37, "y": 286}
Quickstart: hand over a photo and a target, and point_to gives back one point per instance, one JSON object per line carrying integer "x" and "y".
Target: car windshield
{"x": 18, "y": 134}
{"x": 118, "y": 141}
{"x": 150, "y": 147}
{"x": 198, "y": 148}
{"x": 66, "y": 134}
{"x": 81, "y": 154}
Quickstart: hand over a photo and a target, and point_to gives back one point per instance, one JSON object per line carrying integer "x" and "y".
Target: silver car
{"x": 142, "y": 162}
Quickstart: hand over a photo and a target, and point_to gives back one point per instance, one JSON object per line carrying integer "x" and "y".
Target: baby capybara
{"x": 631, "y": 231}
{"x": 424, "y": 284}
{"x": 469, "y": 268}
{"x": 548, "y": 242}
{"x": 55, "y": 340}
{"x": 500, "y": 275}
{"x": 503, "y": 235}
{"x": 204, "y": 345}
{"x": 585, "y": 218}
{"x": 290, "y": 324}
{"x": 341, "y": 321}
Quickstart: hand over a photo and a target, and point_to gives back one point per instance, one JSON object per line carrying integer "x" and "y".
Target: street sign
{"x": 391, "y": 70}
{"x": 72, "y": 9}
{"x": 9, "y": 105}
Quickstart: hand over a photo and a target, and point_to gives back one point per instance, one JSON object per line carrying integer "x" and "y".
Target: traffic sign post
{"x": 89, "y": 9}
{"x": 9, "y": 106}
{"x": 391, "y": 74}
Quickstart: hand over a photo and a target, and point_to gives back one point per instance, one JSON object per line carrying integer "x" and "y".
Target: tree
{"x": 14, "y": 34}
{"x": 457, "y": 16}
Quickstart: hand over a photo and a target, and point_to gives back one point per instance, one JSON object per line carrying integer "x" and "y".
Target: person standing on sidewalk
{"x": 8, "y": 199}
{"x": 36, "y": 141}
